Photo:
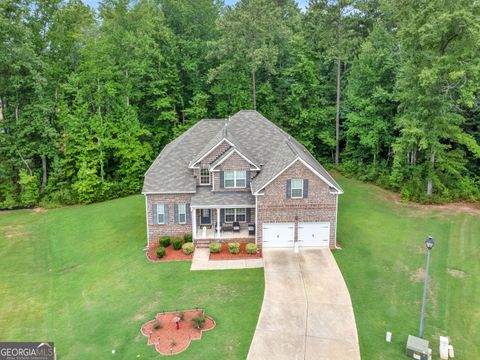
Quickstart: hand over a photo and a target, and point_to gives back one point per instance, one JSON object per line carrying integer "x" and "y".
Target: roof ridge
{"x": 286, "y": 137}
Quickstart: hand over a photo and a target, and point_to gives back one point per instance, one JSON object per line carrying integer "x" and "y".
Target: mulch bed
{"x": 225, "y": 254}
{"x": 171, "y": 254}
{"x": 162, "y": 338}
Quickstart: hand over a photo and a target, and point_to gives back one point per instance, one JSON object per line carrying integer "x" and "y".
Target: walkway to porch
{"x": 200, "y": 262}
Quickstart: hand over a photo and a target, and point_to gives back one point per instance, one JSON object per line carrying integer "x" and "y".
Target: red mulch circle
{"x": 162, "y": 337}
{"x": 171, "y": 254}
{"x": 225, "y": 254}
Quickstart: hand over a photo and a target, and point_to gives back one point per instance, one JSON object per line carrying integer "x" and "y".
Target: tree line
{"x": 386, "y": 91}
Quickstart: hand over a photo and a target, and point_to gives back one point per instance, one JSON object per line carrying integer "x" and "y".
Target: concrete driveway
{"x": 307, "y": 312}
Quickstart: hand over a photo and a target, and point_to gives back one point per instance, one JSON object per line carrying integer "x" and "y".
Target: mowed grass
{"x": 382, "y": 261}
{"x": 79, "y": 276}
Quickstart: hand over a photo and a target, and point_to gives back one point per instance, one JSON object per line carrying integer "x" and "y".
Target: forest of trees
{"x": 385, "y": 91}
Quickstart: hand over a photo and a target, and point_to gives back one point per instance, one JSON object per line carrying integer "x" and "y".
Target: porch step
{"x": 202, "y": 243}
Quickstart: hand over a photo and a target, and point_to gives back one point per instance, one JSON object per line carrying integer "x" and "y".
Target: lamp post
{"x": 429, "y": 244}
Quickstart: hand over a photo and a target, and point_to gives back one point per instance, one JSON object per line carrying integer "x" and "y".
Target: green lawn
{"x": 79, "y": 276}
{"x": 383, "y": 248}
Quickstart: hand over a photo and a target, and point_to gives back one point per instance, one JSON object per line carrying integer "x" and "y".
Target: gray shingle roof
{"x": 206, "y": 197}
{"x": 169, "y": 173}
{"x": 255, "y": 137}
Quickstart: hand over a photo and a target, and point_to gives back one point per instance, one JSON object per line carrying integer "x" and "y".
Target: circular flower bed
{"x": 167, "y": 338}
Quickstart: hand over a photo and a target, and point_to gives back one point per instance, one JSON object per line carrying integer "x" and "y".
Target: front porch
{"x": 210, "y": 233}
{"x": 223, "y": 224}
{"x": 223, "y": 215}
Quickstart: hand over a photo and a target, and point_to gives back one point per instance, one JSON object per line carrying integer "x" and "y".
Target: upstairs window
{"x": 297, "y": 189}
{"x": 204, "y": 176}
{"x": 234, "y": 179}
{"x": 240, "y": 178}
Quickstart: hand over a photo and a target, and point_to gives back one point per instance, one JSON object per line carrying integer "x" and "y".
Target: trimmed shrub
{"x": 198, "y": 321}
{"x": 215, "y": 247}
{"x": 233, "y": 248}
{"x": 161, "y": 252}
{"x": 164, "y": 241}
{"x": 251, "y": 248}
{"x": 187, "y": 237}
{"x": 177, "y": 243}
{"x": 158, "y": 325}
{"x": 187, "y": 248}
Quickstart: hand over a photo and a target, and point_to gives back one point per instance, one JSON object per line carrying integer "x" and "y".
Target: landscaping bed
{"x": 170, "y": 254}
{"x": 169, "y": 248}
{"x": 224, "y": 254}
{"x": 167, "y": 338}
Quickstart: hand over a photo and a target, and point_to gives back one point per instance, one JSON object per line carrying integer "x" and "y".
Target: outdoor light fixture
{"x": 417, "y": 347}
{"x": 429, "y": 244}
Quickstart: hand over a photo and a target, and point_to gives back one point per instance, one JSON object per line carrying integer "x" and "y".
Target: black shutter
{"x": 222, "y": 216}
{"x": 221, "y": 179}
{"x": 165, "y": 207}
{"x": 248, "y": 178}
{"x": 175, "y": 214}
{"x": 305, "y": 188}
{"x": 289, "y": 188}
{"x": 189, "y": 214}
{"x": 248, "y": 215}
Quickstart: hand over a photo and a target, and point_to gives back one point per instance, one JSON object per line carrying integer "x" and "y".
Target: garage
{"x": 277, "y": 235}
{"x": 313, "y": 234}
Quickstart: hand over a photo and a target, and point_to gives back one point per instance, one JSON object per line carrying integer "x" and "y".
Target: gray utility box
{"x": 417, "y": 348}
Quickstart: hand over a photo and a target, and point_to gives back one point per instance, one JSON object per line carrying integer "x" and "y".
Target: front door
{"x": 205, "y": 216}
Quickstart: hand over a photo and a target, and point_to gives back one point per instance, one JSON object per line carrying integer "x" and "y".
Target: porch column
{"x": 218, "y": 223}
{"x": 194, "y": 223}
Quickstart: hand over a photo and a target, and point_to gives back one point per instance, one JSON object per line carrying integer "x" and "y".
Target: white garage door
{"x": 278, "y": 235}
{"x": 313, "y": 234}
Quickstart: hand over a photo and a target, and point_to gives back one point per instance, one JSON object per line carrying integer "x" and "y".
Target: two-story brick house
{"x": 247, "y": 172}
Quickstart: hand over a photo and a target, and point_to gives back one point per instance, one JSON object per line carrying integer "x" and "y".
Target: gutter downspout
{"x": 336, "y": 221}
{"x": 146, "y": 215}
{"x": 256, "y": 220}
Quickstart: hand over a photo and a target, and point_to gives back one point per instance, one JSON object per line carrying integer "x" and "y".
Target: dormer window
{"x": 204, "y": 176}
{"x": 234, "y": 179}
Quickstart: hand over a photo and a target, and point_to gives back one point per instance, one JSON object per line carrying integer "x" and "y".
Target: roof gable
{"x": 229, "y": 153}
{"x": 298, "y": 159}
{"x": 207, "y": 150}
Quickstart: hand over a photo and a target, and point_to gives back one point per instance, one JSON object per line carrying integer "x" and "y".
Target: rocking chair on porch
{"x": 236, "y": 226}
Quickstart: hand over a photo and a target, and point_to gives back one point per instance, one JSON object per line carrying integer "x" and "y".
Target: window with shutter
{"x": 182, "y": 213}
{"x": 296, "y": 189}
{"x": 160, "y": 213}
{"x": 234, "y": 178}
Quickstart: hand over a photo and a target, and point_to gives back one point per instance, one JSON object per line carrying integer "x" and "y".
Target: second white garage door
{"x": 313, "y": 234}
{"x": 278, "y": 235}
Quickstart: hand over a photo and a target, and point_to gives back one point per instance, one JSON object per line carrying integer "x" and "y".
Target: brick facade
{"x": 273, "y": 206}
{"x": 233, "y": 162}
{"x": 319, "y": 206}
{"x": 211, "y": 157}
{"x": 171, "y": 229}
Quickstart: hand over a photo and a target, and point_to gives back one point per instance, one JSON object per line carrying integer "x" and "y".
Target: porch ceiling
{"x": 206, "y": 198}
